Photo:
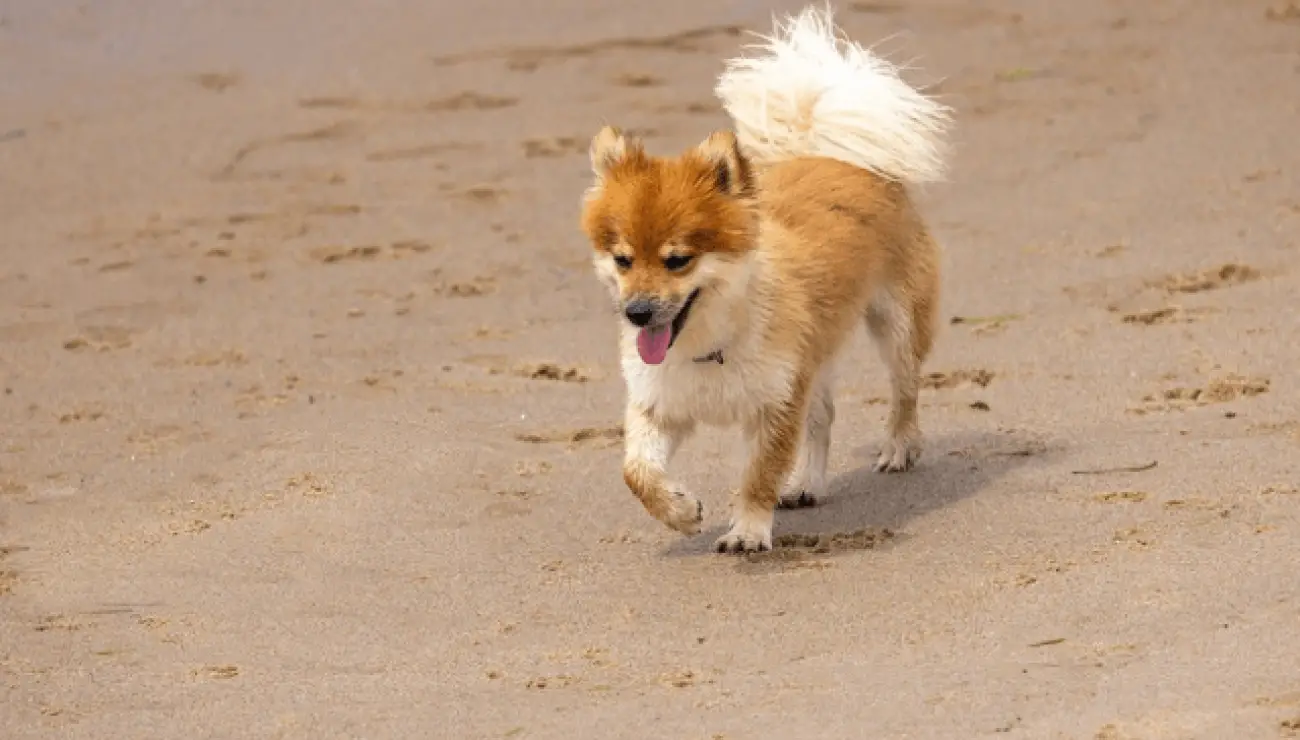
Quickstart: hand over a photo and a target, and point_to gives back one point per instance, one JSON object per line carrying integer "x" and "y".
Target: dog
{"x": 742, "y": 265}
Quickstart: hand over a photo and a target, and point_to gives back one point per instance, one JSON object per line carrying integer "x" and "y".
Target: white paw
{"x": 898, "y": 455}
{"x": 746, "y": 535}
{"x": 685, "y": 512}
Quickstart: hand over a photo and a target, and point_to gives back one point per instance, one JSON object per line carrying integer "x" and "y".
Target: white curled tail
{"x": 810, "y": 92}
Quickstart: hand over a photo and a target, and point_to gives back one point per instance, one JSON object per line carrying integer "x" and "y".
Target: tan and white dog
{"x": 742, "y": 266}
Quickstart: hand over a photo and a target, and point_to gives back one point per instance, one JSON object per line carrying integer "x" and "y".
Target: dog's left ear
{"x": 728, "y": 168}
{"x": 609, "y": 148}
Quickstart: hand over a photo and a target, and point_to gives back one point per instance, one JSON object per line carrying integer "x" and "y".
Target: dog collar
{"x": 714, "y": 356}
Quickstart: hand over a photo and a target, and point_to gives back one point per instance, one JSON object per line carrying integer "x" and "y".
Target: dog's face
{"x": 667, "y": 232}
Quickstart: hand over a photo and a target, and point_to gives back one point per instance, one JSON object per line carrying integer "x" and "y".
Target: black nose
{"x": 639, "y": 311}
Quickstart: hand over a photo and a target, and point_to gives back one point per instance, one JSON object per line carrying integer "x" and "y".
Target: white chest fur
{"x": 725, "y": 394}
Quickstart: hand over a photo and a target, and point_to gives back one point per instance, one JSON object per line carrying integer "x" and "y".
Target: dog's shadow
{"x": 866, "y": 509}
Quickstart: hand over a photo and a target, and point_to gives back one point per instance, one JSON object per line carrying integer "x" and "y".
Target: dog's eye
{"x": 622, "y": 261}
{"x": 677, "y": 261}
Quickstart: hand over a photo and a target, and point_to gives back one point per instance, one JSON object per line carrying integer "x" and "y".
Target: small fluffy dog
{"x": 742, "y": 265}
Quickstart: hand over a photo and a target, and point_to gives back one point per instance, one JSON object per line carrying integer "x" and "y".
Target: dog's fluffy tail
{"x": 810, "y": 92}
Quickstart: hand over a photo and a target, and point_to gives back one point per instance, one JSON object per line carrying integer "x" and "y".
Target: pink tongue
{"x": 653, "y": 344}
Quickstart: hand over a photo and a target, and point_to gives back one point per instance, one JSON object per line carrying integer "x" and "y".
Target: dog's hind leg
{"x": 902, "y": 324}
{"x": 807, "y": 485}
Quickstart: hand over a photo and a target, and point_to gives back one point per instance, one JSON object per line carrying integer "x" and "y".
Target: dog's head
{"x": 668, "y": 233}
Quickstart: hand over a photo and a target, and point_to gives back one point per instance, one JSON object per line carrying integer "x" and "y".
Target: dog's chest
{"x": 720, "y": 394}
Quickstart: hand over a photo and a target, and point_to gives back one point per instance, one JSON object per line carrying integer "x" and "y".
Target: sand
{"x": 310, "y": 399}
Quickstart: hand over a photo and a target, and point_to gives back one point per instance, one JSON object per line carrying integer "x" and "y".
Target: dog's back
{"x": 835, "y": 236}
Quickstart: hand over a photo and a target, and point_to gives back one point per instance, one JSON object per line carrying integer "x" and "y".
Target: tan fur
{"x": 783, "y": 259}
{"x": 832, "y": 245}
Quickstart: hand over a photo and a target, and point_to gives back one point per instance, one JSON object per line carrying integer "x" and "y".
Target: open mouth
{"x": 680, "y": 319}
{"x": 653, "y": 342}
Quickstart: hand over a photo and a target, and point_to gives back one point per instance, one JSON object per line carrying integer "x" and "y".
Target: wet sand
{"x": 310, "y": 399}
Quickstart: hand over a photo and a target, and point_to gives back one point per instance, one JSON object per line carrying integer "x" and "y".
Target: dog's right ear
{"x": 729, "y": 169}
{"x": 609, "y": 147}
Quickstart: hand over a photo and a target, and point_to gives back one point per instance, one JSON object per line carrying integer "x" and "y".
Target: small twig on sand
{"x": 1122, "y": 469}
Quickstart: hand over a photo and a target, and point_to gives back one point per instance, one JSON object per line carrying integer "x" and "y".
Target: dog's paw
{"x": 898, "y": 456}
{"x": 745, "y": 537}
{"x": 798, "y": 498}
{"x": 685, "y": 512}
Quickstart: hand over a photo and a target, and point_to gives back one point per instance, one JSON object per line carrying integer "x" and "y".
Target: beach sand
{"x": 309, "y": 401}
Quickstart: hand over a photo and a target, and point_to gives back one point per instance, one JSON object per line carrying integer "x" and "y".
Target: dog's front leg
{"x": 650, "y": 445}
{"x": 774, "y": 437}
